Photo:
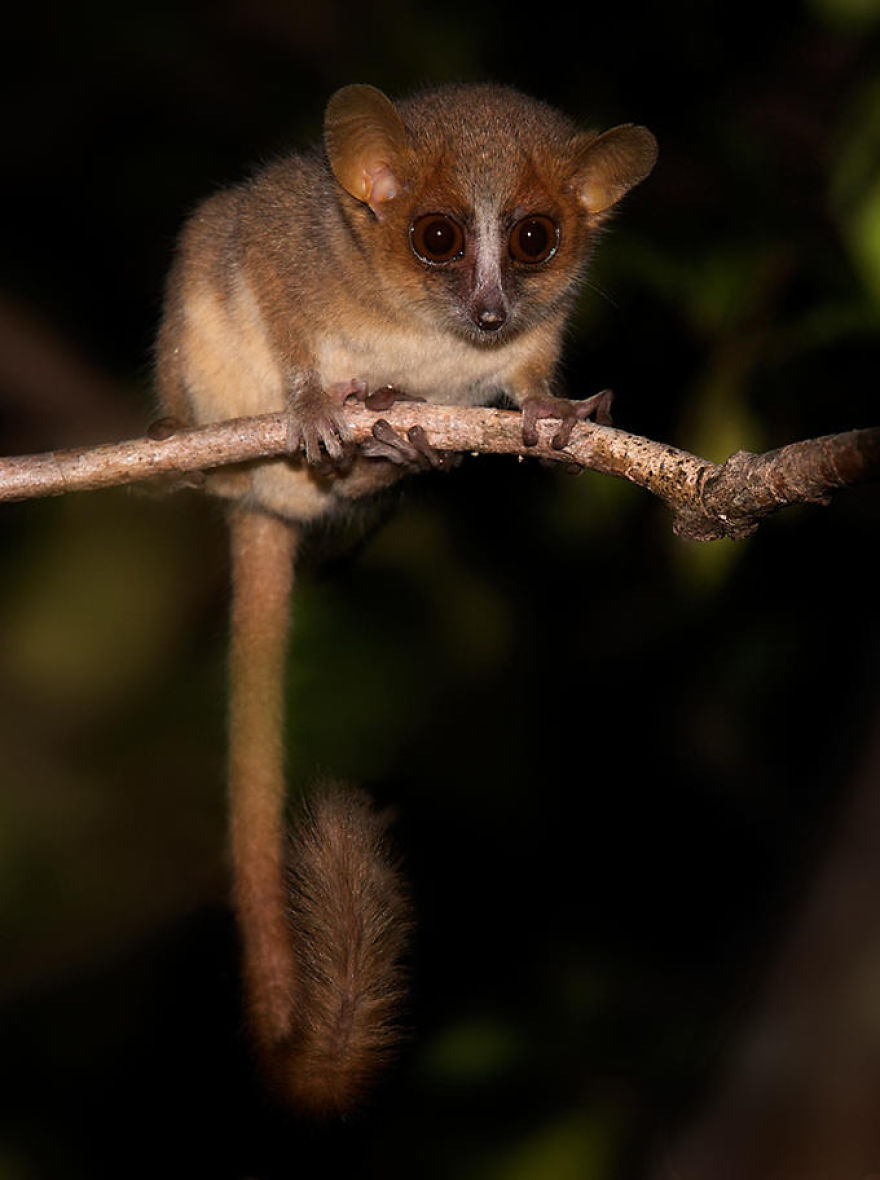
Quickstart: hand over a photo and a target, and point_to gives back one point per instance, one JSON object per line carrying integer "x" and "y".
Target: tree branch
{"x": 708, "y": 500}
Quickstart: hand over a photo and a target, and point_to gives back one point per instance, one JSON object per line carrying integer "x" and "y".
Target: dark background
{"x": 619, "y": 761}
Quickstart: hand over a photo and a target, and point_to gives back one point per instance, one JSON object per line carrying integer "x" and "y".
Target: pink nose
{"x": 490, "y": 319}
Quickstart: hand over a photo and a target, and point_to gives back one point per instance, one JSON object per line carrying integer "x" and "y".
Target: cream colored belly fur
{"x": 229, "y": 370}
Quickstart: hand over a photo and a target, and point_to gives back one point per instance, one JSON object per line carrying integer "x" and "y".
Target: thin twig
{"x": 709, "y": 500}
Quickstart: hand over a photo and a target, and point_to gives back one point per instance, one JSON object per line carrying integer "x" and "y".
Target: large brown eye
{"x": 534, "y": 239}
{"x": 436, "y": 238}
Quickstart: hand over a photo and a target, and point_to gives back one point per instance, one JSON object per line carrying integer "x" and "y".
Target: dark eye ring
{"x": 435, "y": 237}
{"x": 534, "y": 239}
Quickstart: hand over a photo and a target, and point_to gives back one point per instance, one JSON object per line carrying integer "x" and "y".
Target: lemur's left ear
{"x": 609, "y": 165}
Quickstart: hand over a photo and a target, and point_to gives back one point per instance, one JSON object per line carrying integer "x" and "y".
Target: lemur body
{"x": 435, "y": 246}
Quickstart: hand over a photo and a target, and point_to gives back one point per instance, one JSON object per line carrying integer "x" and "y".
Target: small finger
{"x": 419, "y": 440}
{"x": 563, "y": 434}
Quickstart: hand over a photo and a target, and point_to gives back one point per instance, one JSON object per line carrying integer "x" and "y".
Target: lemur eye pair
{"x": 436, "y": 237}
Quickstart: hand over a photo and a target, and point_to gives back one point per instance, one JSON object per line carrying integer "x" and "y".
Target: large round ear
{"x": 609, "y": 165}
{"x": 365, "y": 140}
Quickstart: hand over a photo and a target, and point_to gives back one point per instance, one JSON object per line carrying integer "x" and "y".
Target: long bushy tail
{"x": 351, "y": 918}
{"x": 323, "y": 912}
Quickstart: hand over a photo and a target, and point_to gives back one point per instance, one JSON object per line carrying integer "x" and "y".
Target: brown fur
{"x": 287, "y": 286}
{"x": 351, "y": 916}
{"x": 263, "y": 549}
{"x": 324, "y": 921}
{"x": 286, "y": 290}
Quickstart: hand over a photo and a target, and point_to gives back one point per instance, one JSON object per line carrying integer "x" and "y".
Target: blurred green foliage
{"x": 614, "y": 756}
